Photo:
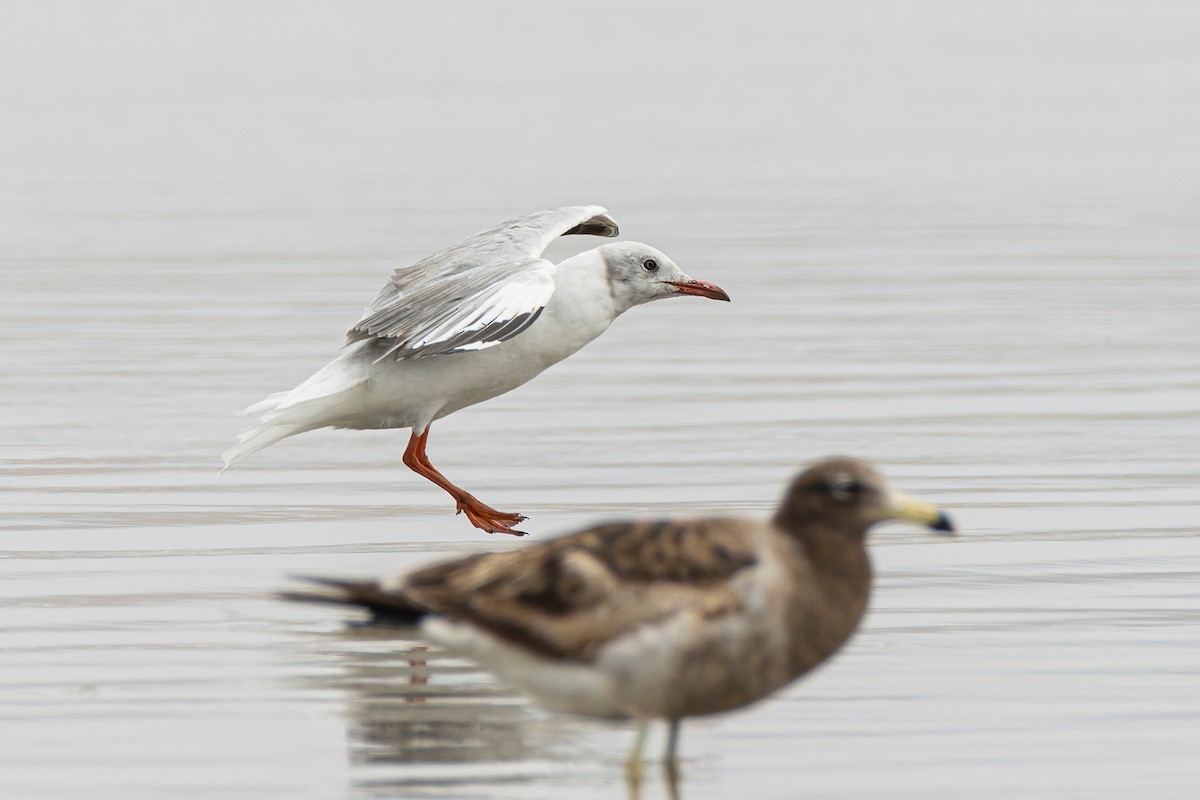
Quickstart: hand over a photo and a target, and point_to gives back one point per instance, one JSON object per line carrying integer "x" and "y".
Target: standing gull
{"x": 660, "y": 620}
{"x": 465, "y": 325}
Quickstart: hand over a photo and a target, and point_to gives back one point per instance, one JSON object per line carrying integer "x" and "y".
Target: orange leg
{"x": 480, "y": 514}
{"x": 419, "y": 676}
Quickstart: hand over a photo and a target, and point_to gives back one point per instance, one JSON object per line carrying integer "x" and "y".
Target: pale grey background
{"x": 961, "y": 240}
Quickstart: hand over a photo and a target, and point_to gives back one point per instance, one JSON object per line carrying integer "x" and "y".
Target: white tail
{"x": 316, "y": 403}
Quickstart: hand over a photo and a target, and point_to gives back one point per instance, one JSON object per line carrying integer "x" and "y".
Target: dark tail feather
{"x": 392, "y": 608}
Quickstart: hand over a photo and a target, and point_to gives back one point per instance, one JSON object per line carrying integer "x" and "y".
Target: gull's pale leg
{"x": 670, "y": 761}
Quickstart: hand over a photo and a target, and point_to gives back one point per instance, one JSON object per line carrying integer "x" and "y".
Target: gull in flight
{"x": 465, "y": 325}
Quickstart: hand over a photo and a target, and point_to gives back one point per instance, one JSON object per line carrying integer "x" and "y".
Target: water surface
{"x": 961, "y": 242}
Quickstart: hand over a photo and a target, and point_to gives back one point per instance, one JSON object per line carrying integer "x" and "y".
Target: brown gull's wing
{"x": 568, "y": 597}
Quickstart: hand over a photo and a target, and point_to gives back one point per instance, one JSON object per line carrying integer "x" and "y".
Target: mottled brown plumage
{"x": 662, "y": 619}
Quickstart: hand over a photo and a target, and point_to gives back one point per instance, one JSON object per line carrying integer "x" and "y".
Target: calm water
{"x": 961, "y": 241}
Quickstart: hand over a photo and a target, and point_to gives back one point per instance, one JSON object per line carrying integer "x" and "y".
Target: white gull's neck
{"x": 580, "y": 309}
{"x": 582, "y": 306}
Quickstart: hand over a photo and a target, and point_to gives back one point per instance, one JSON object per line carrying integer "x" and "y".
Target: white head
{"x": 637, "y": 273}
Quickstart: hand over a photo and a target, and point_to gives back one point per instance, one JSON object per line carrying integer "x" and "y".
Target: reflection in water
{"x": 408, "y": 705}
{"x": 418, "y": 718}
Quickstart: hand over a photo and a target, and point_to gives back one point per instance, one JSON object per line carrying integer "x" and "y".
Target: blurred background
{"x": 961, "y": 241}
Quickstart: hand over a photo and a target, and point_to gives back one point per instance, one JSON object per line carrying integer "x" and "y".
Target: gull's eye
{"x": 650, "y": 265}
{"x": 845, "y": 488}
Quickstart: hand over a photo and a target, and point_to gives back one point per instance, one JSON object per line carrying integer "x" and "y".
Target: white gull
{"x": 465, "y": 325}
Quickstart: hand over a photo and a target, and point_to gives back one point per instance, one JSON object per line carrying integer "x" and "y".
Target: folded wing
{"x": 567, "y": 598}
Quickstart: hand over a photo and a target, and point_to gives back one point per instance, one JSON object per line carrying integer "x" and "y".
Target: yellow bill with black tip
{"x": 927, "y": 514}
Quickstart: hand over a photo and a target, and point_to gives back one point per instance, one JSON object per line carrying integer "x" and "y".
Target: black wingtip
{"x": 599, "y": 225}
{"x": 320, "y": 580}
{"x": 386, "y": 607}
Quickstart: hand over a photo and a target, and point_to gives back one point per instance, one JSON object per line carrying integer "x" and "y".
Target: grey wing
{"x": 455, "y": 313}
{"x": 483, "y": 290}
